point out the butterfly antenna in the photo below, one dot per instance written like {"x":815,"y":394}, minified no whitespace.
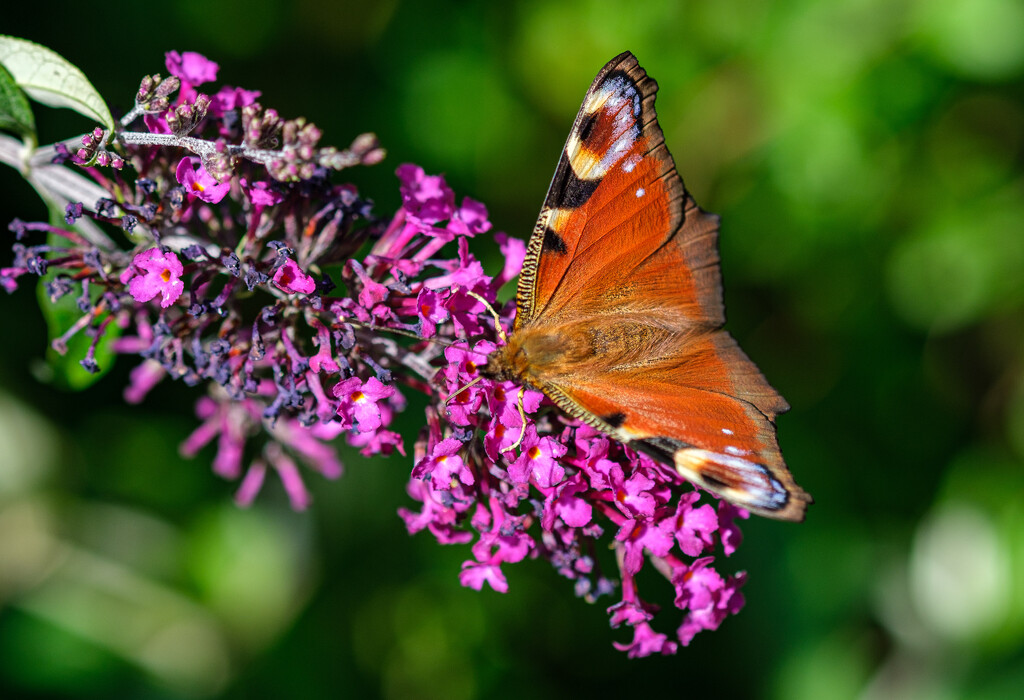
{"x":461,"y":389}
{"x":497,"y":320}
{"x":522,"y":416}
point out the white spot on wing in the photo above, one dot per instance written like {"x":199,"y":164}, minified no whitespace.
{"x":640,"y":192}
{"x":726,"y":431}
{"x":631,"y":163}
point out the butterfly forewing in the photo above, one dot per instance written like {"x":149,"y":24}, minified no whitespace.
{"x":620,"y":308}
{"x":614,"y":200}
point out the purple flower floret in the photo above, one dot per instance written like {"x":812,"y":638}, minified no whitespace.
{"x":154,"y":273}
{"x":198,"y":183}
{"x":294,"y":310}
{"x":290,"y":278}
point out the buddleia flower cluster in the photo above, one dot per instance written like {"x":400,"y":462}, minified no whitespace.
{"x":221,"y":254}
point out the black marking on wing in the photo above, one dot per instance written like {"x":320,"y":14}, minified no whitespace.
{"x":569,"y":191}
{"x":712,"y":482}
{"x":615,"y":419}
{"x":587,"y":123}
{"x":553,"y":242}
{"x":662,"y":449}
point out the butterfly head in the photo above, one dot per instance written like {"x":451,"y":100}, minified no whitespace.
{"x":504,"y":364}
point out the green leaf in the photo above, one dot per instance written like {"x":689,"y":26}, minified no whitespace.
{"x":48,"y":78}
{"x":65,"y":371}
{"x":15,"y":113}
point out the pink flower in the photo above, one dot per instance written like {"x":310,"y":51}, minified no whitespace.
{"x":260,"y":193}
{"x":198,"y":183}
{"x":513,"y":250}
{"x":707,"y":596}
{"x":191,"y":67}
{"x":154,"y":273}
{"x":692,"y":527}
{"x":443,"y":465}
{"x":426,"y":197}
{"x":639,"y":535}
{"x":290,"y":278}
{"x":538,"y":461}
{"x":438,"y":515}
{"x":229,"y":98}
{"x":358,"y":402}
{"x":646,"y":642}
{"x":728,"y":530}
{"x":470,"y":219}
{"x":474,"y":574}
{"x":502,"y":540}
{"x":563,"y":502}
{"x":323,"y":360}
{"x":430,"y":311}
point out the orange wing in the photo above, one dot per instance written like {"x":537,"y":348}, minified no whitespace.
{"x":705,"y":409}
{"x":615,"y":202}
{"x":620,"y":308}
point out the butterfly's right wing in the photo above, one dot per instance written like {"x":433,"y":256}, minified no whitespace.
{"x":706,"y":410}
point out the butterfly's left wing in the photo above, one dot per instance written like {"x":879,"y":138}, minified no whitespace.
{"x":617,"y":204}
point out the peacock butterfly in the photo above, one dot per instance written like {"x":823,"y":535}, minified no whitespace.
{"x":620,"y":312}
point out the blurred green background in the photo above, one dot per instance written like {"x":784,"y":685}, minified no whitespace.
{"x":866,"y":158}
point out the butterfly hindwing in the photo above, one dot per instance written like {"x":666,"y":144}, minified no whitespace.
{"x":704,"y":409}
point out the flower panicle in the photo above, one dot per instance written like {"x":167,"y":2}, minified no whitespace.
{"x":249,"y":273}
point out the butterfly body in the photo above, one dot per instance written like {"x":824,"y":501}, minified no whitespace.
{"x":620,"y":313}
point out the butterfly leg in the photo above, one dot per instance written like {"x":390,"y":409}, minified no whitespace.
{"x":522,"y":418}
{"x":497,"y":320}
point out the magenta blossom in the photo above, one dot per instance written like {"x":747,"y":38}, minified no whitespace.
{"x":443,"y":465}
{"x":359,"y":405}
{"x":290,"y":278}
{"x":191,"y":67}
{"x":198,"y":183}
{"x":153,"y":273}
{"x":427,"y":198}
